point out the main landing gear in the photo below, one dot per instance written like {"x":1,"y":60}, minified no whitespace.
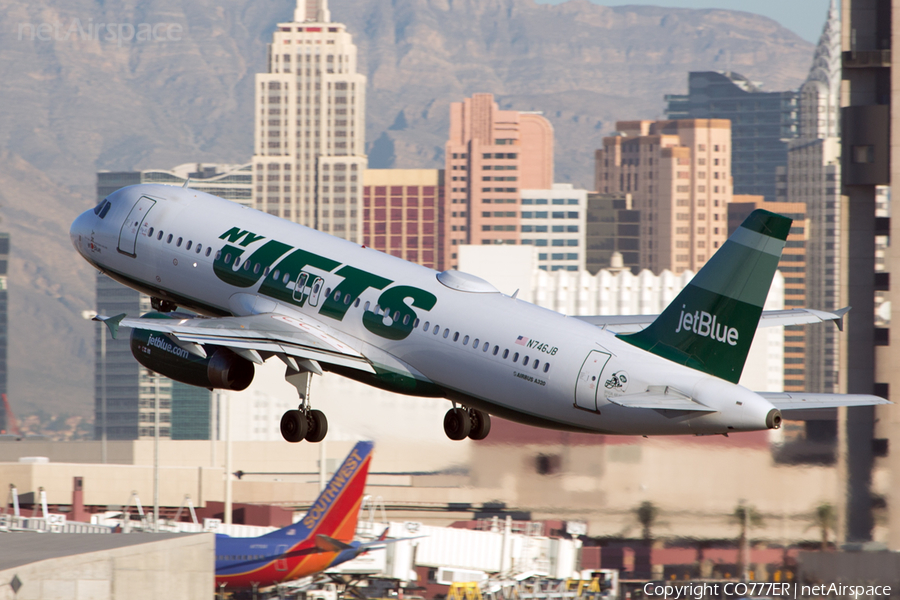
{"x":462,"y":423}
{"x":298,"y":425}
{"x":303,"y":423}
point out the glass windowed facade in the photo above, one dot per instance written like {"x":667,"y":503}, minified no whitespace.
{"x":761,"y":124}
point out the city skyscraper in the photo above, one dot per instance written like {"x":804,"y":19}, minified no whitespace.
{"x":679,"y":176}
{"x":491,"y":156}
{"x":309,"y":125}
{"x":612,"y":226}
{"x":402,"y":214}
{"x":231,"y":182}
{"x":761,"y":124}
{"x":553,"y":221}
{"x":812,"y":176}
{"x":869,"y":352}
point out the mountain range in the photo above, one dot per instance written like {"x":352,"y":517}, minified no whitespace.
{"x":74,"y":104}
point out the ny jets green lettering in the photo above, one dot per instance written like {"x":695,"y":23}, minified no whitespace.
{"x":402,"y":316}
{"x":288,"y":270}
{"x":248,"y":272}
{"x":236,"y":233}
{"x":288,"y":281}
{"x":355,"y":282}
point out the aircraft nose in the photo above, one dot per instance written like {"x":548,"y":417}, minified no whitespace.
{"x":81,"y":229}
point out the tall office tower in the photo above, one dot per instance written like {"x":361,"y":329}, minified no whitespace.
{"x":491,"y":155}
{"x":812,"y":176}
{"x":761,"y":122}
{"x":4,"y":327}
{"x":129,"y":391}
{"x":402,"y":214}
{"x":309,"y":123}
{"x":231,"y":182}
{"x":612,"y":227}
{"x":870,"y":157}
{"x":679,"y":176}
{"x":126,"y":392}
{"x":794,"y":265}
{"x":554,"y":221}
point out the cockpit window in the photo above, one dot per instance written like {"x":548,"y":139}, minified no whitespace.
{"x":102,"y":208}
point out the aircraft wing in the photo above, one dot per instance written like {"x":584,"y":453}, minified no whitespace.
{"x":248,"y":336}
{"x":770,"y":318}
{"x":802,"y":401}
{"x":664,"y":398}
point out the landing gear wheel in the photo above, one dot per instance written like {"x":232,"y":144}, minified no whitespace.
{"x":480,"y":424}
{"x":293,"y":426}
{"x":318,"y":426}
{"x":457,"y":424}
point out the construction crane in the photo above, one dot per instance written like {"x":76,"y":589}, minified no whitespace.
{"x":12,"y":425}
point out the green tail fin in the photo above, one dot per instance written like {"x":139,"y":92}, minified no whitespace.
{"x":710,"y":325}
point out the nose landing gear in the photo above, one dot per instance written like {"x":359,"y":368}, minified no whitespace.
{"x":460,"y":423}
{"x":303,"y":423}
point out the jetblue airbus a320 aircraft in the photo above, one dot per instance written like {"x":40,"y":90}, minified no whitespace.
{"x":267,"y":287}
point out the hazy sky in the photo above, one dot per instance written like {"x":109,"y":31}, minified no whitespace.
{"x":804,"y":17}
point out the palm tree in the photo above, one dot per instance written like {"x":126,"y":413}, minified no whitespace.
{"x":747,"y":517}
{"x":825,"y":518}
{"x":646,"y":514}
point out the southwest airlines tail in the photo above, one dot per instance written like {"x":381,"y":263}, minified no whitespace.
{"x":335,"y":512}
{"x":710,"y":325}
{"x":321,"y":538}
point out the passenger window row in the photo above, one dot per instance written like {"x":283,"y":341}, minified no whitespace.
{"x":190,"y":244}
{"x":484,"y":347}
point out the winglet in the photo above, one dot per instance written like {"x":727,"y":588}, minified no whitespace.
{"x":840,"y":317}
{"x":111,"y":322}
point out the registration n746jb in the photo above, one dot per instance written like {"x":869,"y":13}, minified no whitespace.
{"x":263,"y":287}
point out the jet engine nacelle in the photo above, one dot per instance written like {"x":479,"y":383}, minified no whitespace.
{"x":221,"y":369}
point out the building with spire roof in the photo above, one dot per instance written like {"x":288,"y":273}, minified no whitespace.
{"x":812,"y":176}
{"x":309,"y":125}
{"x":819,"y":115}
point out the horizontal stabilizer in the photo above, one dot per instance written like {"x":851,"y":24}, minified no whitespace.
{"x":329,"y":544}
{"x":803,"y":401}
{"x":382,"y":542}
{"x":660,"y":398}
{"x":770,"y":318}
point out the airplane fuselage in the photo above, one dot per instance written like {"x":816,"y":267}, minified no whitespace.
{"x":425,"y":333}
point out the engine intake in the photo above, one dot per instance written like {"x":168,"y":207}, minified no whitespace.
{"x":221,"y":369}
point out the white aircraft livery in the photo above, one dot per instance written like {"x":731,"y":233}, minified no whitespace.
{"x":263,"y":287}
